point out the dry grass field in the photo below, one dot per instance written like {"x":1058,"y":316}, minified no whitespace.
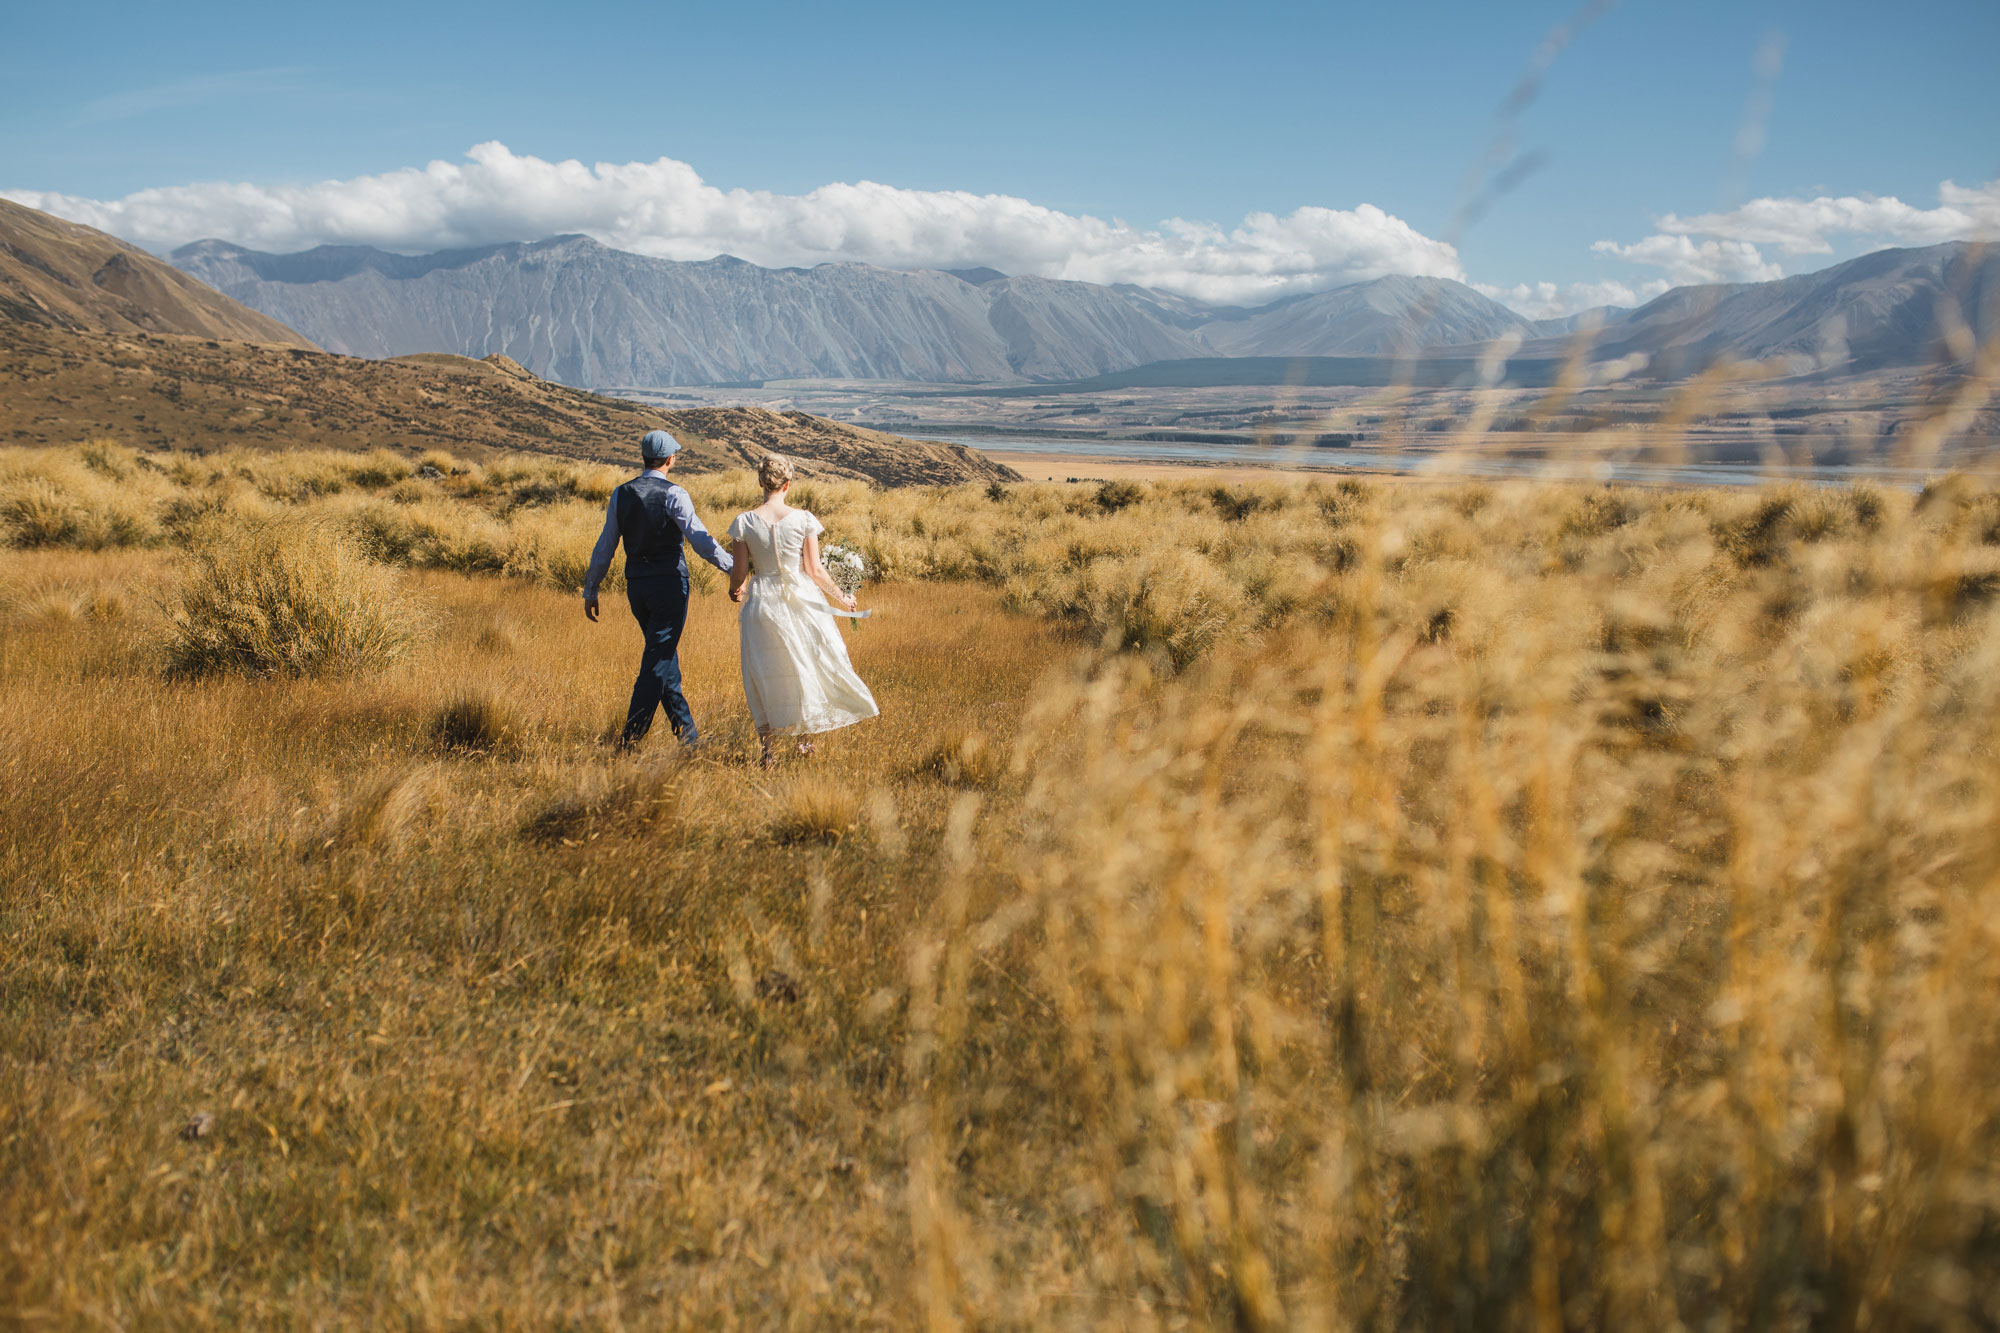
{"x":1357,"y":906}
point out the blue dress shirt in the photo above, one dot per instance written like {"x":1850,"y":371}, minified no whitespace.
{"x":681,"y":505}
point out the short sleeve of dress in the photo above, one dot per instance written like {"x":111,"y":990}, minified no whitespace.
{"x":735,"y":533}
{"x":813,"y":525}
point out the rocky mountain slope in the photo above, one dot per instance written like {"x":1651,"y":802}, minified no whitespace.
{"x":64,"y":276}
{"x":579,"y":312}
{"x":585,"y":314}
{"x":1383,"y":317}
{"x":1883,"y":310}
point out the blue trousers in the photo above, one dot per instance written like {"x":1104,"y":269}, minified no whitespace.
{"x":660,"y":605}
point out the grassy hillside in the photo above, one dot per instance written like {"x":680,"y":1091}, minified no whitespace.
{"x":1347,"y":906}
{"x":58,"y":274}
{"x":65,"y":387}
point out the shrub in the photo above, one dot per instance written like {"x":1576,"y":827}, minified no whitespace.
{"x":286,"y":599}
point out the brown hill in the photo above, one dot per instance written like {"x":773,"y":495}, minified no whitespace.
{"x":59,"y":385}
{"x":64,"y":276}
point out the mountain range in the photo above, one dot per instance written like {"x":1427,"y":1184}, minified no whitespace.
{"x":1888,"y":309}
{"x":101,"y":340}
{"x":579,"y":312}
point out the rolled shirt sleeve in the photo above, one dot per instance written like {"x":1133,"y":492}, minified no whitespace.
{"x":681,"y":505}
{"x":600,"y":555}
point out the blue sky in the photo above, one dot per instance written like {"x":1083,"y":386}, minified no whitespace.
{"x":1107,"y":112}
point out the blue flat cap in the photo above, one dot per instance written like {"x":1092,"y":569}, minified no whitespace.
{"x":658,"y":444}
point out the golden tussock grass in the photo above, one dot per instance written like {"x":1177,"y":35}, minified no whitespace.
{"x":811,"y":809}
{"x":1349,"y":906}
{"x":292,"y":598}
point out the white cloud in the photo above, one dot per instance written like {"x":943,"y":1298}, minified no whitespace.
{"x":1548,"y":300}
{"x":1808,"y":226}
{"x":1688,"y":261}
{"x":1723,"y":247}
{"x":664,"y":208}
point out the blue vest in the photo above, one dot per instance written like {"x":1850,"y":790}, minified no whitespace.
{"x":647,"y":528}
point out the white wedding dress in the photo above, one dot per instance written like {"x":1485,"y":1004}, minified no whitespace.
{"x":795,"y":668}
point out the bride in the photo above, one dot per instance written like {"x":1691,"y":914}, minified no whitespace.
{"x":795,"y":668}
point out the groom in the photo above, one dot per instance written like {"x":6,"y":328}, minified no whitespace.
{"x":652,"y":515}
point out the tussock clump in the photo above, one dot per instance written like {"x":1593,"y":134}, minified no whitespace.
{"x":431,"y":535}
{"x":1174,"y":603}
{"x":1597,"y":513}
{"x":110,"y":458}
{"x":498,"y":638}
{"x":295,"y":480}
{"x":1946,"y":494}
{"x":380,"y":468}
{"x":72,"y":506}
{"x":1758,"y":538}
{"x":1238,"y":503}
{"x":226,"y":500}
{"x":61,"y":601}
{"x":724,"y":493}
{"x":387,"y":813}
{"x":476,"y":723}
{"x":964,"y":759}
{"x":286,"y":599}
{"x":1113,"y":496}
{"x":810,"y":809}
{"x":552,"y":547}
{"x":626,"y":798}
{"x":829,"y":497}
{"x":442,"y":464}
{"x":1821,"y":516}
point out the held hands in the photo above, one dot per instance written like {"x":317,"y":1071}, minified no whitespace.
{"x":737,"y":593}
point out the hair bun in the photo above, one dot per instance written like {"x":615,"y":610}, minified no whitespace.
{"x":776,"y":472}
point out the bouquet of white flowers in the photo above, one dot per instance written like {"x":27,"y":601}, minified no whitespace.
{"x":849,"y":570}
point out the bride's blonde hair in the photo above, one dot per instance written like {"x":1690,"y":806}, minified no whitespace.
{"x":776,"y":472}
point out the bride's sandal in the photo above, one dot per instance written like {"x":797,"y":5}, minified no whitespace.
{"x":807,"y":747}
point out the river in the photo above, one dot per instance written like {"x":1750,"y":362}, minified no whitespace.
{"x":1448,"y":463}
